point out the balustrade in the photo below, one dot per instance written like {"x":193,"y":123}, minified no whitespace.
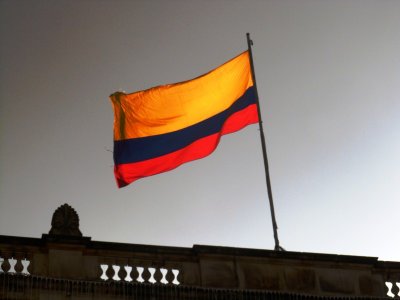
{"x":140,"y":274}
{"x":393,"y":289}
{"x":14,"y":266}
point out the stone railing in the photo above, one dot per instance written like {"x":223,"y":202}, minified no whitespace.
{"x":205,"y":267}
{"x":393,"y":289}
{"x":140,"y":274}
{"x":14,"y":266}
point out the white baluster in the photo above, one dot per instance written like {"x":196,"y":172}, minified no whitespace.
{"x":175,"y":281}
{"x":128,"y":270}
{"x":389,"y":286}
{"x":104,"y":269}
{"x":25,"y":265}
{"x":116,"y":270}
{"x":140,"y":271}
{"x":152,"y":271}
{"x":1,"y":262}
{"x":164,"y":273}
{"x":12,"y":262}
{"x":398,"y":285}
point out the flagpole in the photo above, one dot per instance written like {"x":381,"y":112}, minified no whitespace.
{"x":264,"y":149}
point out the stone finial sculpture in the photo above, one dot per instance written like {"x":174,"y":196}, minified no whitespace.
{"x":65,"y":222}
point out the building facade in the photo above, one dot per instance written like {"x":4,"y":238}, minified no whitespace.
{"x":66,"y":265}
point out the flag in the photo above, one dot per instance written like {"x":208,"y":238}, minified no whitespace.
{"x":158,"y":129}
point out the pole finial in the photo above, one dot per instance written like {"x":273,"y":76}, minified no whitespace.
{"x":249,"y":41}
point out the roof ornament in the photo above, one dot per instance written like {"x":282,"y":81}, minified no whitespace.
{"x":65,"y":222}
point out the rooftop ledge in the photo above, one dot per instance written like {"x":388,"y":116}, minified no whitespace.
{"x":49,"y":241}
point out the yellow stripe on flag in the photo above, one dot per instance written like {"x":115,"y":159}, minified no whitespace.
{"x":172,"y":107}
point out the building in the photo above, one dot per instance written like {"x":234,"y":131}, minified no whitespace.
{"x":66,"y":265}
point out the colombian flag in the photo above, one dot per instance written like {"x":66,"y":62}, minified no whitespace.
{"x":158,"y":129}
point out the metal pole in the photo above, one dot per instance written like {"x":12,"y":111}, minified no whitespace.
{"x":264,"y":149}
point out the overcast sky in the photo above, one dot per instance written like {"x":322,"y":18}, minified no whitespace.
{"x":328,"y":75}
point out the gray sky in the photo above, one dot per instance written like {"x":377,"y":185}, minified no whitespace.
{"x":328,"y":75}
